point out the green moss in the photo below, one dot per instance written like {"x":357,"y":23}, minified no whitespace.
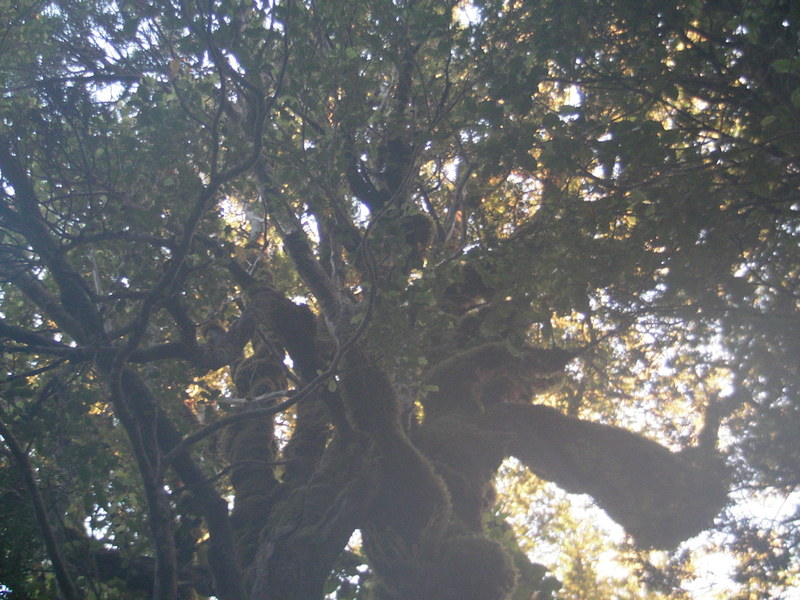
{"x":474,"y":567}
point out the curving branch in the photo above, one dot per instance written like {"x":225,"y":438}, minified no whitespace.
{"x":661,"y":498}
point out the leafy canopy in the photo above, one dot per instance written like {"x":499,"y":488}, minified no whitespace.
{"x":271,"y":273}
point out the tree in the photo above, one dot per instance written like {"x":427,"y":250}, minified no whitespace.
{"x":276,"y":272}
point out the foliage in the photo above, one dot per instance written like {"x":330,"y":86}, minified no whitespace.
{"x":274,"y":273}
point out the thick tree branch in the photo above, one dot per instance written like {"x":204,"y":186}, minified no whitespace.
{"x":49,"y":305}
{"x":140,"y":423}
{"x":75,"y":295}
{"x":491,"y":373}
{"x":31,"y":338}
{"x":298,"y":247}
{"x":65,"y":583}
{"x":659,"y":497}
{"x":297,"y":555}
{"x":222,"y":558}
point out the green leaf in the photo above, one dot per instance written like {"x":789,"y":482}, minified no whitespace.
{"x":672,"y":92}
{"x":796,"y":97}
{"x":784,"y":65}
{"x":551,"y":121}
{"x":636,"y":197}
